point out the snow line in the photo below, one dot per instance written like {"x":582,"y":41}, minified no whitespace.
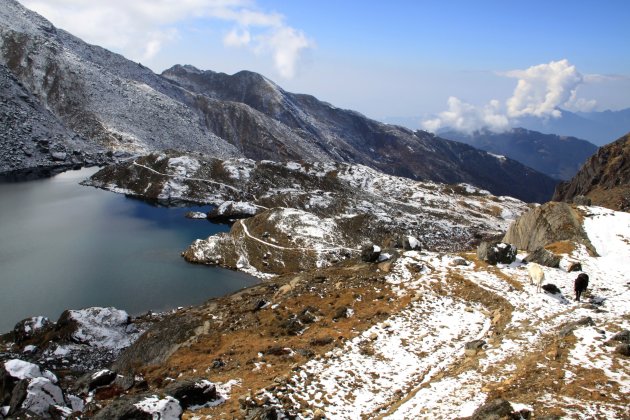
{"x":249,"y":235}
{"x":198,"y":179}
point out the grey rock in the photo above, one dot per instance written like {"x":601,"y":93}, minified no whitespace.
{"x":543,"y":257}
{"x":370,"y":253}
{"x":124,"y":408}
{"x":495,"y":253}
{"x":623,"y":349}
{"x":623,"y":336}
{"x":546,"y":224}
{"x":493,"y":410}
{"x":473,"y":347}
{"x":192,"y":392}
{"x":580,"y":200}
{"x":571,"y":326}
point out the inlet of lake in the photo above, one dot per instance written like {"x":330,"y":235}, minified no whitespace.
{"x":67,"y":246}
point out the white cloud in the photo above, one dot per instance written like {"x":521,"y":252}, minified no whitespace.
{"x":286,"y":45}
{"x":236,"y":38}
{"x":540,"y":91}
{"x":465,"y":117}
{"x":139,"y":28}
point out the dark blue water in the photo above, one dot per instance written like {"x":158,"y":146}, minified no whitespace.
{"x":66,"y":246}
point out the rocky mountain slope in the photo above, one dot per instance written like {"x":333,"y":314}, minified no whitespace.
{"x":33,"y":139}
{"x":313,"y":215}
{"x":122,"y":106}
{"x":604,"y":178}
{"x":347,"y":136}
{"x":101,"y":96}
{"x":421,"y":334}
{"x":559,"y":157}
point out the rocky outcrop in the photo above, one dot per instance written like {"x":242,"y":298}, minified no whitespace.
{"x":32,"y":139}
{"x":604,"y":179}
{"x":546,"y":224}
{"x":496,"y":253}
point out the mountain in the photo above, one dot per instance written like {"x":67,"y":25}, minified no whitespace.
{"x":596,"y":127}
{"x":559,"y":157}
{"x":604,"y":178}
{"x":121,"y":106}
{"x":32,"y":138}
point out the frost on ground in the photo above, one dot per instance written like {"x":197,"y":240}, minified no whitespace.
{"x":318,"y":207}
{"x":539,"y":351}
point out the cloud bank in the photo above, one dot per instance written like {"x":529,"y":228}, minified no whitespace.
{"x":140,"y":28}
{"x":539,"y":92}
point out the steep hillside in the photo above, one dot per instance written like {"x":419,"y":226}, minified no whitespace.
{"x":103,"y":97}
{"x":559,"y":157}
{"x":32,"y":139}
{"x":348,"y":136}
{"x":122,"y":106}
{"x":604,"y":178}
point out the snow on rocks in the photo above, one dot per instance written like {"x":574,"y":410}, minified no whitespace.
{"x":100,"y":327}
{"x":20,"y":369}
{"x":167,"y":408}
{"x":41,"y":394}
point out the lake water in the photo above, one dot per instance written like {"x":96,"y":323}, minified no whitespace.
{"x":66,"y":246}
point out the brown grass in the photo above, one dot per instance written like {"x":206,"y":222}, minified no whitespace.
{"x":561,"y":247}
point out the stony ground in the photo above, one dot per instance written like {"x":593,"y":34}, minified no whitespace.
{"x":361,"y":340}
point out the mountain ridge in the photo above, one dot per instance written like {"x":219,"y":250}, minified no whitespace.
{"x":559,"y":157}
{"x":122,"y":106}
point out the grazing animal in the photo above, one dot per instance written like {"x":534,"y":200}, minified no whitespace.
{"x":536,"y":275}
{"x":580,"y":285}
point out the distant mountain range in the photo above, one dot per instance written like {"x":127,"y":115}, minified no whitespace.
{"x":112,"y":104}
{"x":559,"y":157}
{"x":596,"y":127}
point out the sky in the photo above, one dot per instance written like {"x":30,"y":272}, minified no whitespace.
{"x":464,"y":64}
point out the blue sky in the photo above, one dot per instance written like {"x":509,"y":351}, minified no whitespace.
{"x":398,"y":58}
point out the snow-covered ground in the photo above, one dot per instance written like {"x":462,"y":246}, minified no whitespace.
{"x":394,"y":368}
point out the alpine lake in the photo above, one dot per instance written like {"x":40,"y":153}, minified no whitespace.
{"x":68,"y":246}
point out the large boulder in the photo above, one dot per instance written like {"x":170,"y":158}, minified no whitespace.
{"x":494,"y":410}
{"x":543,"y":257}
{"x":192,"y":392}
{"x":546,"y":224}
{"x":496,"y":253}
{"x":27,"y":328}
{"x":370,"y":253}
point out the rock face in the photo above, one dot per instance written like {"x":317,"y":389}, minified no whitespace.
{"x":546,"y":224}
{"x":604,"y":179}
{"x":32,"y":139}
{"x":559,"y":157}
{"x":119,"y":105}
